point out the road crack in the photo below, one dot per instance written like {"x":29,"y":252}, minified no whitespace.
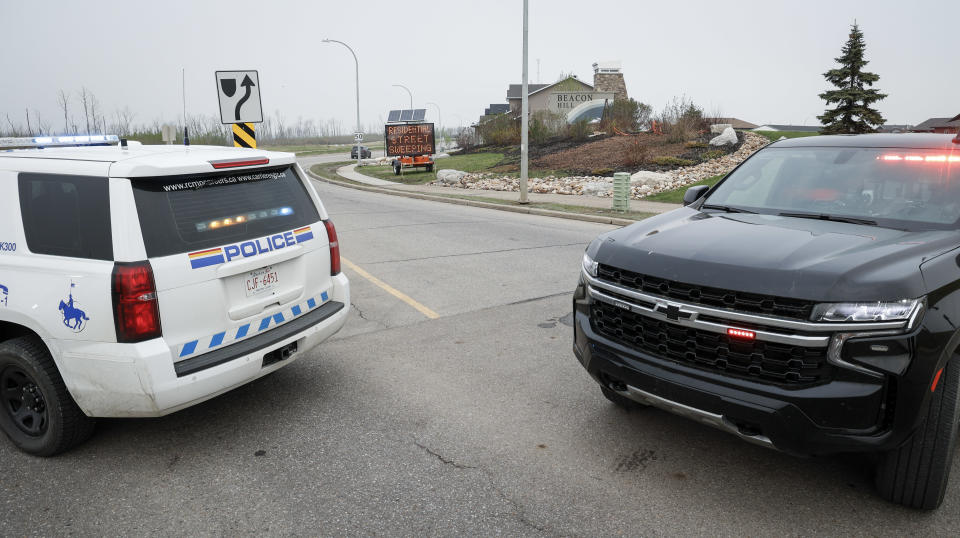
{"x":445,"y":461}
{"x":518,"y":509}
{"x":364,"y":317}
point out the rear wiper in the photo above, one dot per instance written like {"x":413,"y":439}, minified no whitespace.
{"x":728,"y":209}
{"x":834,"y":218}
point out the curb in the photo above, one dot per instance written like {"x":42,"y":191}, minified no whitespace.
{"x":472,"y":203}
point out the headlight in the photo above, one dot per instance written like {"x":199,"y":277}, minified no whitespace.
{"x":589,"y":265}
{"x":853,"y":312}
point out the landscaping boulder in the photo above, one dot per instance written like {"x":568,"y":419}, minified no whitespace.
{"x":651,"y":179}
{"x":450,"y":177}
{"x":718,"y":128}
{"x":598,"y":188}
{"x":728,"y":136}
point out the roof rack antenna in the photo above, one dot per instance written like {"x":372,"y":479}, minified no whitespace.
{"x":183,"y":94}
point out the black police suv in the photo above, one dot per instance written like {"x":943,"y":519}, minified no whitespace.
{"x":808,"y":302}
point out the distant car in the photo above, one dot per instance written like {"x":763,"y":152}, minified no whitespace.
{"x":807,"y":302}
{"x":364,"y":152}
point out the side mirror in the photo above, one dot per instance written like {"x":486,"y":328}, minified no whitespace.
{"x":694,"y":193}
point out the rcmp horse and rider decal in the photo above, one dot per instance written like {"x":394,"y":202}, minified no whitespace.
{"x":73,"y":317}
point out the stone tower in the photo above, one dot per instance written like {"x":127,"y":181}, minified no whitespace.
{"x":608,"y":78}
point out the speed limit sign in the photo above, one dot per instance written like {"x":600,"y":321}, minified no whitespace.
{"x":358,"y":137}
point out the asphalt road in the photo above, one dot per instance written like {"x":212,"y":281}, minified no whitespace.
{"x":474,"y":420}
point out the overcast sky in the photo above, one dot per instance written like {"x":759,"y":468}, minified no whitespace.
{"x":761,"y":61}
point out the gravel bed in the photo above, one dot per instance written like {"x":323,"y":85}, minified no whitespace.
{"x":603,"y":186}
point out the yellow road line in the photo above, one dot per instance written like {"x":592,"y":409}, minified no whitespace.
{"x":389,"y":289}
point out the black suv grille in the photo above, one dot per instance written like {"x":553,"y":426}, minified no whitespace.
{"x":768,"y":361}
{"x":734,"y":300}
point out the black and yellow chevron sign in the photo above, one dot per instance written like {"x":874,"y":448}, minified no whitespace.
{"x":244,"y":135}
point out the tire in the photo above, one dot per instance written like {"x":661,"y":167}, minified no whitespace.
{"x":36,"y":411}
{"x":916,"y":474}
{"x":620,"y":400}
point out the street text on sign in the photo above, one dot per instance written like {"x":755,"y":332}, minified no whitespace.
{"x":409,"y":139}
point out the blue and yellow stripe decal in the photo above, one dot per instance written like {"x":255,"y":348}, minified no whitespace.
{"x":247,"y":330}
{"x":203,"y":258}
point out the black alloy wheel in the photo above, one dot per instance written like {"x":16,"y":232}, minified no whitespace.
{"x":23,"y":401}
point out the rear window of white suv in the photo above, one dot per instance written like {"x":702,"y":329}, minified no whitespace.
{"x":185,"y":213}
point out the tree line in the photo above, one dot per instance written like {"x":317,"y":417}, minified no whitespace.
{"x":81,"y":112}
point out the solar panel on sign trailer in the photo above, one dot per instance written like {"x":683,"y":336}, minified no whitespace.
{"x":405,"y":115}
{"x":394,"y":116}
{"x":419,"y":114}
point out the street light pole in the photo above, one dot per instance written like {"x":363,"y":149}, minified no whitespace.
{"x":408,"y":91}
{"x":357,"y":73}
{"x":439,"y":120}
{"x":524,"y":114}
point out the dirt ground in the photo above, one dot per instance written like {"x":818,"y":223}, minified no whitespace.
{"x":607,"y":155}
{"x":617,"y":153}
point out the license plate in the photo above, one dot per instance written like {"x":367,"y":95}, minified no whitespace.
{"x":261,"y":282}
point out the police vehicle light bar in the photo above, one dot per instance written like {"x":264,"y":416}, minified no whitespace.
{"x":59,"y":141}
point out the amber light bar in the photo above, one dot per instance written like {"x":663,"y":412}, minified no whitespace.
{"x":243,"y":162}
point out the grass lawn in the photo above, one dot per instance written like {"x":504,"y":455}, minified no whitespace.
{"x":319,"y":149}
{"x":474,"y":162}
{"x":567,"y":208}
{"x":775,"y":135}
{"x":329,"y":171}
{"x":675,"y":196}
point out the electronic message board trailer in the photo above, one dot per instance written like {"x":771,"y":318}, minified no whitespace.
{"x":412,"y":144}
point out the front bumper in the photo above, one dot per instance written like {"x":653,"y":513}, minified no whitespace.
{"x":142,"y":380}
{"x":849,"y":410}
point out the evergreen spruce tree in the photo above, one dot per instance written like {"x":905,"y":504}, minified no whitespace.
{"x":853,"y":113}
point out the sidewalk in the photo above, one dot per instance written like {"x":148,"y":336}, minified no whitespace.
{"x":350,"y":173}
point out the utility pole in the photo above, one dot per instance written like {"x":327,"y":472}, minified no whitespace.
{"x":439,"y":121}
{"x":408,"y":91}
{"x":524,"y":113}
{"x":357,"y":74}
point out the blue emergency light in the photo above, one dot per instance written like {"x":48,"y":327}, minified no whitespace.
{"x":59,"y":141}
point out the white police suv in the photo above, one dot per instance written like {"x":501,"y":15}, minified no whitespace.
{"x":139,"y":280}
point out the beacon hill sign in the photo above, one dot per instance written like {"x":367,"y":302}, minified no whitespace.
{"x":564,"y":102}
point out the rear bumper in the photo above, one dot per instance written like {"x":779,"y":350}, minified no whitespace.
{"x":141,"y":380}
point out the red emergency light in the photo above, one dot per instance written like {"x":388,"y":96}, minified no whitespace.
{"x":741,"y":333}
{"x":921,"y":158}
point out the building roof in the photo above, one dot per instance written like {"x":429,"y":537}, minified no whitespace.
{"x":891,"y":127}
{"x":736,"y":122}
{"x":874,"y":140}
{"x":497,"y":108}
{"x":795,"y":128}
{"x":933,"y":123}
{"x":514,"y":91}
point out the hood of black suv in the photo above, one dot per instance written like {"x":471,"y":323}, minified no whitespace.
{"x":773,"y":255}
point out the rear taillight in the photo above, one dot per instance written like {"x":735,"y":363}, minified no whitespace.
{"x":136,"y":312}
{"x":334,"y":247}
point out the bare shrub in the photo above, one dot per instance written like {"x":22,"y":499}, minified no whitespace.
{"x":636,"y":154}
{"x":681,"y":119}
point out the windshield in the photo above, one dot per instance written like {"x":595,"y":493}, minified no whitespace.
{"x":909,"y":189}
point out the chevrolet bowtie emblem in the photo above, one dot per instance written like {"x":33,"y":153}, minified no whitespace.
{"x":671,"y":311}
